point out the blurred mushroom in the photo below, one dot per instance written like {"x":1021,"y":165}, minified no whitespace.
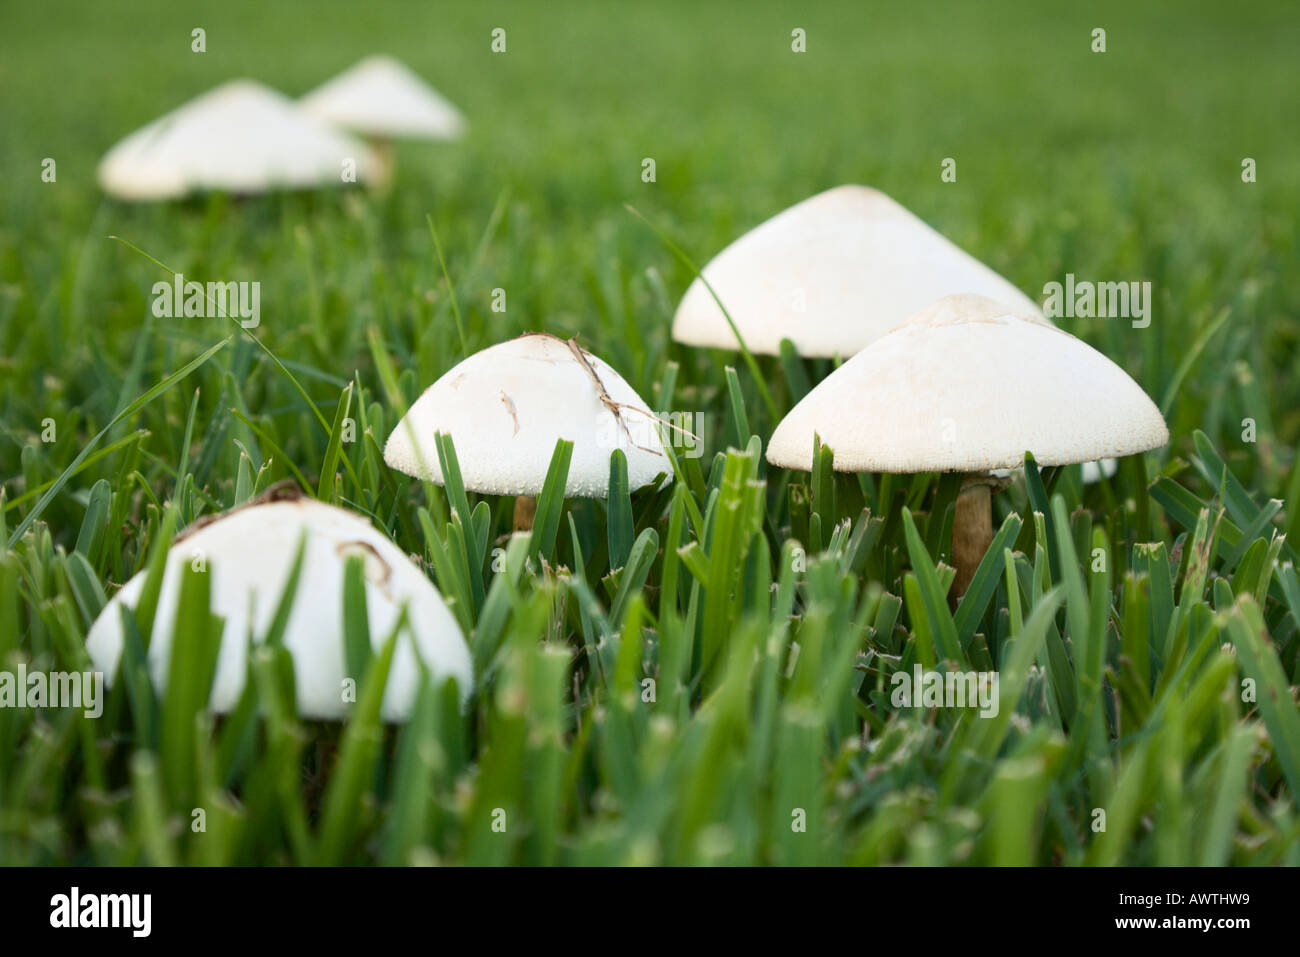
{"x":505,"y":408}
{"x":241,"y":137}
{"x":969,"y":385}
{"x":382,"y":99}
{"x":1094,"y":472}
{"x":1090,"y":473}
{"x":249,"y":551}
{"x":832,"y":274}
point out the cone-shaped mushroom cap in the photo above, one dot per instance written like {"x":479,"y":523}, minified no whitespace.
{"x":506,"y":407}
{"x":249,"y":553}
{"x":969,"y":385}
{"x":242,"y":137}
{"x":381,"y":97}
{"x":831,"y":274}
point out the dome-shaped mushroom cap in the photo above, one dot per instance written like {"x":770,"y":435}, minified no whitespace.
{"x":969,"y":385}
{"x":832,"y":274}
{"x":506,"y":407}
{"x":249,"y":553}
{"x":241,"y":137}
{"x":382,"y":97}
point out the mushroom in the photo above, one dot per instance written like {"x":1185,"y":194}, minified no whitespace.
{"x":241,"y":137}
{"x":383,"y":99}
{"x":505,"y":408}
{"x":832,"y":274}
{"x":969,"y":385}
{"x":249,"y":552}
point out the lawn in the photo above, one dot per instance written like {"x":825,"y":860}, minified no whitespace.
{"x":1148,"y":712}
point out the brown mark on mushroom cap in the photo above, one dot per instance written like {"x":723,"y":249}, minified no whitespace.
{"x":377,"y":571}
{"x":286,"y":490}
{"x":509,"y":403}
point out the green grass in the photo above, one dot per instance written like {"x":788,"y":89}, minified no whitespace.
{"x":769,"y":626}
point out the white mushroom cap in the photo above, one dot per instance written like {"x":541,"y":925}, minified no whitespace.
{"x":832,"y":274}
{"x":249,"y":553}
{"x":242,"y":137}
{"x":506,"y":407}
{"x":969,"y":385}
{"x":382,"y":97}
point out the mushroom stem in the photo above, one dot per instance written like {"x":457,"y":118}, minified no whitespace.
{"x":382,"y":149}
{"x":525,"y":511}
{"x":972,"y":530}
